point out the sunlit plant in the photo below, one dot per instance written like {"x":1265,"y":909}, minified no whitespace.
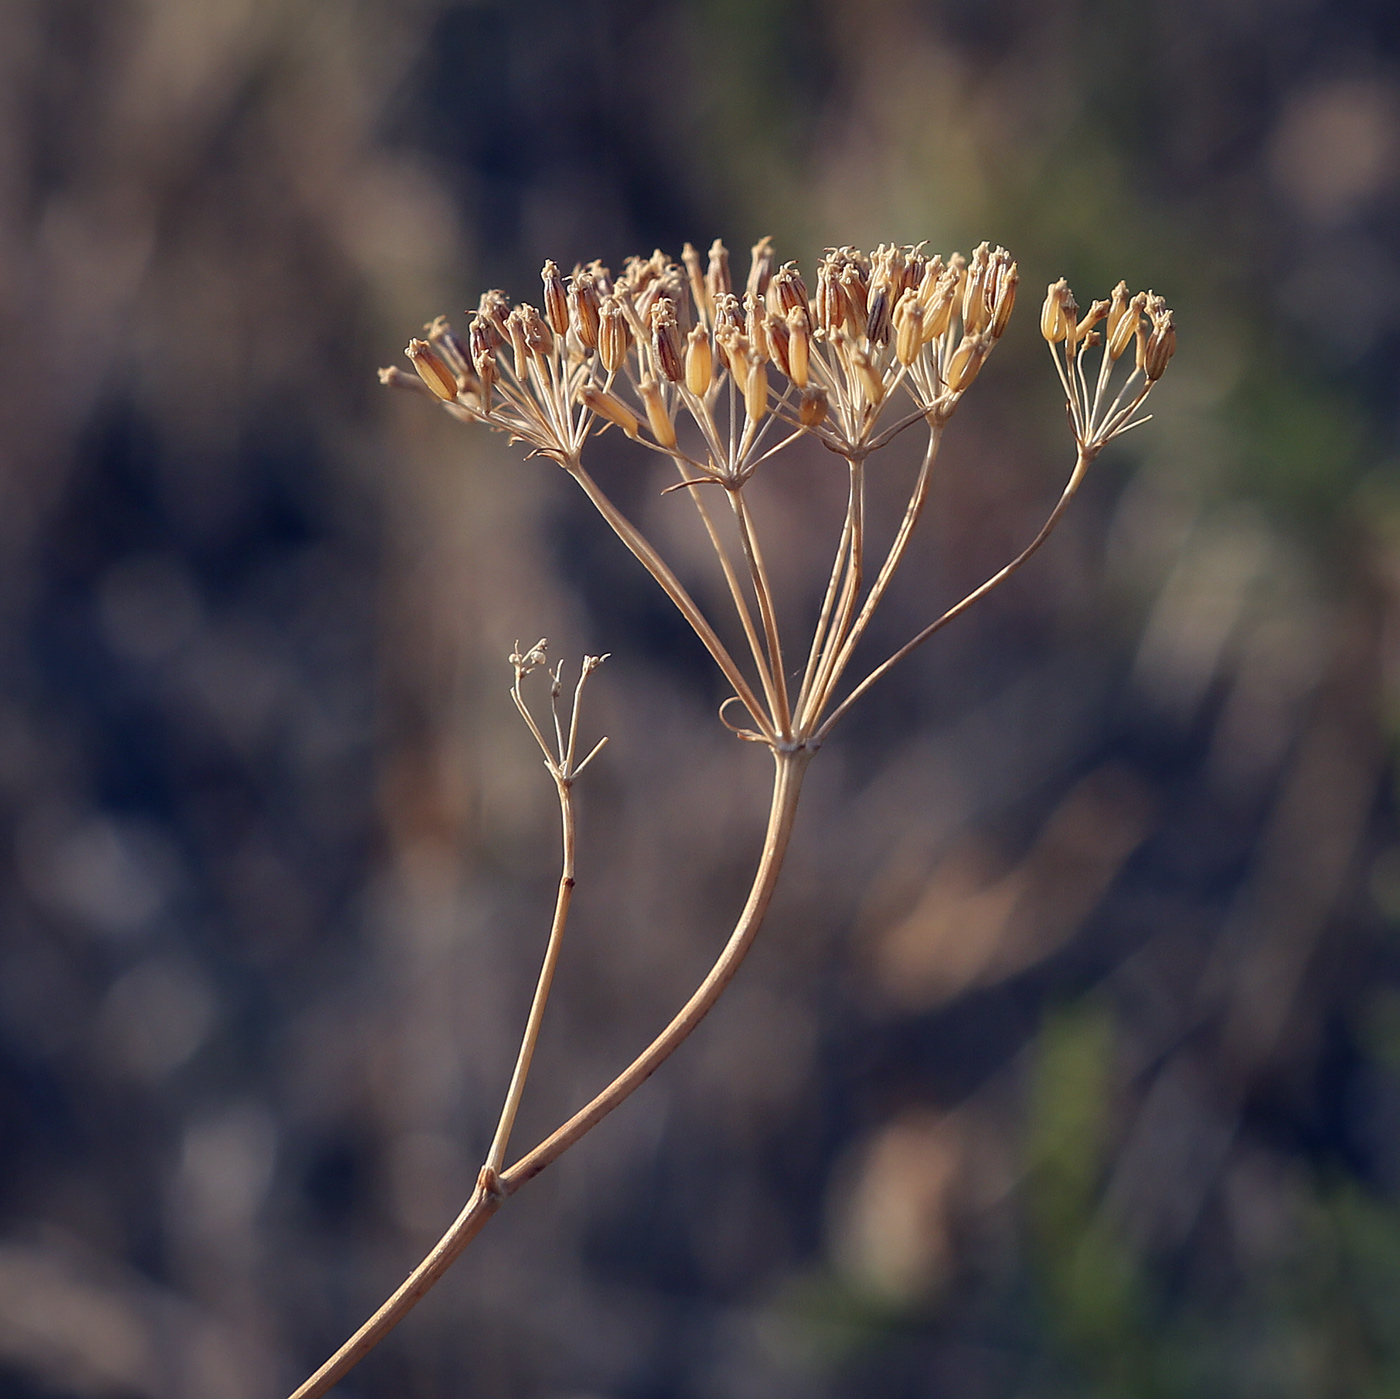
{"x":718,"y":384}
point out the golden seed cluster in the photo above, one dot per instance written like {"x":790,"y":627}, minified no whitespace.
{"x":1142,"y":321}
{"x":665,"y":340}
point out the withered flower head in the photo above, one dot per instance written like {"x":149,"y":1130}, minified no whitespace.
{"x":431,"y":370}
{"x":760,"y":267}
{"x":583,"y":304}
{"x":556,"y":301}
{"x":666,"y":339}
{"x":787,"y":292}
{"x":1054,"y":323}
{"x":614,"y":337}
{"x":494,"y":308}
{"x":1161,"y":346}
{"x":717,"y":282}
{"x":699,"y":365}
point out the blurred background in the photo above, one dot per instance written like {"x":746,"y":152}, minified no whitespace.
{"x":1069,"y":1063}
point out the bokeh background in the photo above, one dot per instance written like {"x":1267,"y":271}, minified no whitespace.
{"x":1070,"y":1061}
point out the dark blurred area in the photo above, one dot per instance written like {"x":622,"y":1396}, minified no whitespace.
{"x":1069,"y":1062}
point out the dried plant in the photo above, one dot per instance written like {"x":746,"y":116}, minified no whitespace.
{"x":674,"y":358}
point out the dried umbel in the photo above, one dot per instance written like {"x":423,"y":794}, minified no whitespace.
{"x":718,"y":384}
{"x":1142,"y":321}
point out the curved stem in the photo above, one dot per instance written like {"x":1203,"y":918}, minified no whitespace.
{"x":1081,"y":465}
{"x":790,"y":766}
{"x":641,"y":547}
{"x":492,"y":1189}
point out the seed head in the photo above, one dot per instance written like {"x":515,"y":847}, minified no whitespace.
{"x":608,"y":405}
{"x":877,"y":319}
{"x":975,"y":314}
{"x":666,"y":340}
{"x":729,"y":322}
{"x":908,"y":328}
{"x":583,"y":308}
{"x":432,"y":371}
{"x":787,"y":292}
{"x":938,"y":312}
{"x":494,"y":308}
{"x":857,"y":290}
{"x":539,"y":339}
{"x":556,"y":300}
{"x":1161,"y":346}
{"x":1121,"y":331}
{"x":1054,"y":323}
{"x":662,"y":428}
{"x":799,"y":346}
{"x":756,"y":391}
{"x":760,"y":266}
{"x":756,"y":324}
{"x":613,"y":335}
{"x":776,"y":329}
{"x":966,"y":362}
{"x":717,"y":282}
{"x":696,"y":277}
{"x":515,"y":333}
{"x":699,"y":365}
{"x":1007,"y":282}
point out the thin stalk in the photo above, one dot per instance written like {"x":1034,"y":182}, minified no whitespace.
{"x":912,"y":512}
{"x":850,"y":597}
{"x":492,"y":1190}
{"x":736,"y":590}
{"x":763,"y":590}
{"x":641,"y":547}
{"x":790,"y":767}
{"x":495,"y":1157}
{"x":996,"y":580}
{"x":838,"y":566}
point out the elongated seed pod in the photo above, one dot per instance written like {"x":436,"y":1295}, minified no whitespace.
{"x":799,"y":347}
{"x":610,"y":406}
{"x":699,"y":364}
{"x":662,"y":428}
{"x":431,"y":370}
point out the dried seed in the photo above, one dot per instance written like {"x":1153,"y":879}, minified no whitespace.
{"x":431,"y":370}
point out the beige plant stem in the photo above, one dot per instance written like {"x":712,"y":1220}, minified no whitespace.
{"x":736,"y":590}
{"x":995,"y":581}
{"x":790,"y":765}
{"x":495,"y":1157}
{"x":763,"y":590}
{"x":641,"y":547}
{"x":494,"y":1188}
{"x":838,"y":567}
{"x":846,"y":644}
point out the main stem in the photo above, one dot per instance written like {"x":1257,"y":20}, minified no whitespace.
{"x":493,"y":1187}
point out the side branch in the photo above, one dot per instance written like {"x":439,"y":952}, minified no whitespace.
{"x":787,"y":786}
{"x":494,"y":1187}
{"x":996,"y":580}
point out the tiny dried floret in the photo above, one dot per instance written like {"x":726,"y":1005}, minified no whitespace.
{"x":432,"y":371}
